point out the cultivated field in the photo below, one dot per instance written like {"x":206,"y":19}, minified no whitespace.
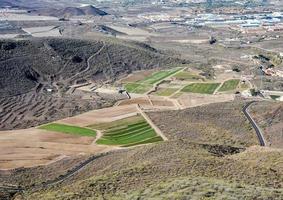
{"x":188,"y":76}
{"x":55,"y":141}
{"x":165,"y":91}
{"x":144,"y":85}
{"x":158,"y":76}
{"x":127,"y":132}
{"x":137,"y":88}
{"x":102,"y":115}
{"x":33,"y":147}
{"x":75,"y":130}
{"x":202,"y":88}
{"x":187,"y":100}
{"x":137,"y":76}
{"x":229,"y":85}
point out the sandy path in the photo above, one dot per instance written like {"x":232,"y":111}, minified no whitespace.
{"x":157,"y":130}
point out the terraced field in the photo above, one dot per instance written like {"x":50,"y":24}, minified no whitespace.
{"x":158,"y":76}
{"x":147,"y":83}
{"x":229,"y":85}
{"x":62,"y":128}
{"x":184,"y":75}
{"x":166,"y":91}
{"x":32,"y":109}
{"x":137,"y":88}
{"x":127,"y":132}
{"x":202,"y":88}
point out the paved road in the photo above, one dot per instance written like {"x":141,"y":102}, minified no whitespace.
{"x":59,"y":179}
{"x":258,"y":131}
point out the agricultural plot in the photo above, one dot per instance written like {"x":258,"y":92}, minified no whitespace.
{"x":229,"y":85}
{"x":137,"y":88}
{"x":166,"y":91}
{"x":202,"y":88}
{"x":274,"y":97}
{"x":75,"y":130}
{"x":144,"y":85}
{"x":158,"y":76}
{"x":184,"y":75}
{"x":127,"y":132}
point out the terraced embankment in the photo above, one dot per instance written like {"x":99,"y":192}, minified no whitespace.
{"x":127,"y":132}
{"x":36,"y":76}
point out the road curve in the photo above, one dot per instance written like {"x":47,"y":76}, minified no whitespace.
{"x":258,"y":131}
{"x":59,"y":179}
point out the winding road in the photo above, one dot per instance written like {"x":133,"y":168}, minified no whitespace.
{"x":258,"y":131}
{"x":57,"y":180}
{"x":80,"y":166}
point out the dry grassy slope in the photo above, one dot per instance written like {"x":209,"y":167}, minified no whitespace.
{"x":174,"y":169}
{"x":29,"y":67}
{"x":269,"y":116}
{"x":26,"y":63}
{"x":220,"y":123}
{"x":177,"y":168}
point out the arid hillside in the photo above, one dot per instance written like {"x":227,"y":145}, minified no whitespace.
{"x":37,"y":75}
{"x":192,"y":163}
{"x":269,"y":115}
{"x":31,"y":64}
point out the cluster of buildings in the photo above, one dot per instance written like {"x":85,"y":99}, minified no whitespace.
{"x":265,"y":21}
{"x":273,"y":72}
{"x":260,"y":22}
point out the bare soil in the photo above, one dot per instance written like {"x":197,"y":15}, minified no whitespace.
{"x":33,"y":147}
{"x":191,"y":100}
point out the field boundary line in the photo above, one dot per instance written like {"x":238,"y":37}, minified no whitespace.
{"x":157,"y":130}
{"x":218,"y":88}
{"x":155,"y":85}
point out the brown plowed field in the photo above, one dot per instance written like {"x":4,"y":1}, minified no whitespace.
{"x":32,"y":147}
{"x":102,"y":115}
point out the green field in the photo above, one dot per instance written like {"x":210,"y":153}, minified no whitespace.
{"x":229,"y":85}
{"x":75,"y":130}
{"x":143,"y":86}
{"x":202,"y":88}
{"x":118,"y":123}
{"x":188,"y":76}
{"x":127,"y":132}
{"x":158,"y":76}
{"x":274,"y":97}
{"x":166,"y":91}
{"x":137,"y":88}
